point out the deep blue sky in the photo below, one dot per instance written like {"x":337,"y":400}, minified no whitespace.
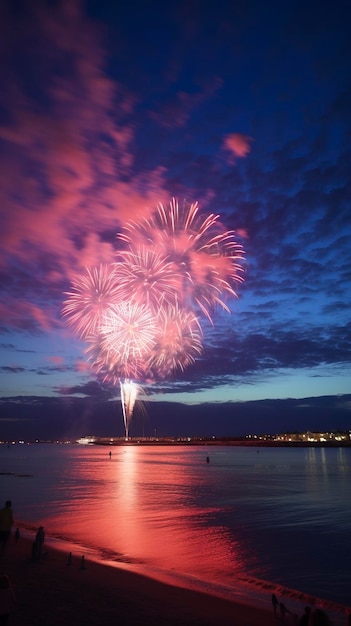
{"x":107,"y":109}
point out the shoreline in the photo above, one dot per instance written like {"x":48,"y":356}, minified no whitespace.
{"x":111,"y":441}
{"x":86,"y":590}
{"x":53,"y":591}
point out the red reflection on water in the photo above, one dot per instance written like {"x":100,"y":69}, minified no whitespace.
{"x":143,"y":504}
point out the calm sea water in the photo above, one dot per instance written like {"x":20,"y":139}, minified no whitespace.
{"x":268,"y":514}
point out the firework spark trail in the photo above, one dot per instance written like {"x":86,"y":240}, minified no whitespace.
{"x":128,"y":330}
{"x":125,"y":339}
{"x":207,"y":257}
{"x":92,"y":293}
{"x":145,"y":276}
{"x":109,"y":367}
{"x":178,"y":342}
{"x":140,"y":314}
{"x":129,"y":392}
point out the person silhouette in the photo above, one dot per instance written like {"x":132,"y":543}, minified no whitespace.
{"x":283,"y":610}
{"x":275,"y":604}
{"x":6,"y":521}
{"x":305,"y":617}
{"x":38,"y":544}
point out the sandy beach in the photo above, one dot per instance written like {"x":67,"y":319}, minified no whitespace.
{"x":57,"y":590}
{"x":62,"y":588}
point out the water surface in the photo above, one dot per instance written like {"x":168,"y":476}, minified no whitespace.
{"x":275,"y":514}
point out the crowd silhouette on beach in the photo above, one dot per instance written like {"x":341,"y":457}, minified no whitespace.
{"x":7,"y":593}
{"x":310,"y":617}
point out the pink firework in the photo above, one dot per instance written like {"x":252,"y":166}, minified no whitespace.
{"x":128,"y":330}
{"x":139,"y":315}
{"x":146,"y":276}
{"x":109,"y":367}
{"x":92,"y":293}
{"x":125,"y":339}
{"x":178,"y":342}
{"x":207,"y":257}
{"x":121,"y":350}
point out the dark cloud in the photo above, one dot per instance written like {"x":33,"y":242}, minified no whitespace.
{"x":90,"y":389}
{"x":12,"y":370}
{"x":57,"y":418}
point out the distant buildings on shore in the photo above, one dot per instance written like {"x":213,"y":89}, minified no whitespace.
{"x":309,"y":438}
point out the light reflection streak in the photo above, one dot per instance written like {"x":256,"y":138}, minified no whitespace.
{"x":149,"y":513}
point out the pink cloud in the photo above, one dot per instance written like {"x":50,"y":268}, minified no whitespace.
{"x":56,"y":360}
{"x":239,"y":145}
{"x":25,"y":315}
{"x":63,"y":180}
{"x":242,"y":232}
{"x":82,"y":366}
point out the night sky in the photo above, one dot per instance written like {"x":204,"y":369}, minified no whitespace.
{"x":107,"y":109}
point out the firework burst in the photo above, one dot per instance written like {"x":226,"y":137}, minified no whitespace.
{"x":140,"y":315}
{"x":128,"y":331}
{"x":92,"y":293}
{"x":207,"y":257}
{"x":146,"y":276}
{"x":178,"y":342}
{"x":125,"y":339}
